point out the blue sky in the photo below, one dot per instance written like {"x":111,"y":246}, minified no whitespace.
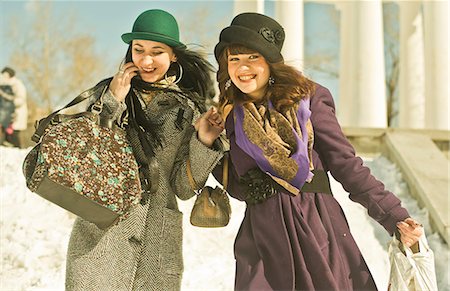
{"x":106,"y":21}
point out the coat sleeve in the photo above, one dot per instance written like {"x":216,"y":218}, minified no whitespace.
{"x":20,"y":94}
{"x":112,"y":109}
{"x":336,"y":152}
{"x":202,"y":160}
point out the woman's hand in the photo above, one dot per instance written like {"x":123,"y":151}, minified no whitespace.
{"x":209,"y":126}
{"x":121,"y":83}
{"x":410,"y":231}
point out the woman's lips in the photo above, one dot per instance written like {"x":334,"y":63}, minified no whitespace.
{"x":246,"y":77}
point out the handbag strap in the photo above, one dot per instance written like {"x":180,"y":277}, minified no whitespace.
{"x":54,"y":117}
{"x":225,"y":171}
{"x":192,"y":182}
{"x":194,"y":185}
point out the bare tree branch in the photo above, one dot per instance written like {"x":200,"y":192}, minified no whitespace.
{"x":54,"y":60}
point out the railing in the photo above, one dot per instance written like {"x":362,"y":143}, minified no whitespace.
{"x":423,"y":158}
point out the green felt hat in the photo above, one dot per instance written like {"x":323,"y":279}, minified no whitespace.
{"x":156,"y":25}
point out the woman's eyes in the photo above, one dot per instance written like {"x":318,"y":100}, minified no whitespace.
{"x":251,"y":57}
{"x":154,"y":53}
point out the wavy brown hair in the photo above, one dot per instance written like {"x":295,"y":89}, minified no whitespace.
{"x":289,"y":88}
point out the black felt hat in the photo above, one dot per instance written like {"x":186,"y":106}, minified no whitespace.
{"x":255,"y":31}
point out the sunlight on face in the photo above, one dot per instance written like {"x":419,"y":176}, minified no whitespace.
{"x":250,"y":73}
{"x":152,"y":58}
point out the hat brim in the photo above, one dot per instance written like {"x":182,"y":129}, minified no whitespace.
{"x":248,"y":38}
{"x":128,"y":37}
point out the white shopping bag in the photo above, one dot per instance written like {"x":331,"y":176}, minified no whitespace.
{"x":411,"y":272}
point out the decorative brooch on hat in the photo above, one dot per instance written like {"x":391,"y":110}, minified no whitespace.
{"x":270,"y":35}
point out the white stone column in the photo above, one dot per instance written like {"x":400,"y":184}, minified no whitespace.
{"x":346,"y":107}
{"x":241,"y":6}
{"x":362,"y":95}
{"x":290,"y":15}
{"x":411,"y":66}
{"x":436,"y":36}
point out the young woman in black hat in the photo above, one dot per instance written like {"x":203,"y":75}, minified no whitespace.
{"x":284,"y":139}
{"x":158,"y":96}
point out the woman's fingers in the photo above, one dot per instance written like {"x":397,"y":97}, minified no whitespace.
{"x":126,"y":73}
{"x":410,"y":231}
{"x":126,"y":66}
{"x":208,"y":113}
{"x":210,"y":121}
{"x":121,"y":82}
{"x":202,"y":119}
{"x":412,"y":222}
{"x":215,"y":118}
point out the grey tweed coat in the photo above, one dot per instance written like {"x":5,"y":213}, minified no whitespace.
{"x":144,"y":252}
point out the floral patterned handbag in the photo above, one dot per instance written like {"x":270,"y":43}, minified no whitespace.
{"x":84,"y":167}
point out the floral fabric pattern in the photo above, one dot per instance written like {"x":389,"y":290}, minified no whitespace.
{"x":97,"y":162}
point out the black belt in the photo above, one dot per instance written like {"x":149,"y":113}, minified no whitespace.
{"x":319,"y":184}
{"x":259,"y":186}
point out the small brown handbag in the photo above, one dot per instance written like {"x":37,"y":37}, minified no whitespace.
{"x":212,"y":206}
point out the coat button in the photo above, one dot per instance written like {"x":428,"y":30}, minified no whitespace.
{"x":344,"y":235}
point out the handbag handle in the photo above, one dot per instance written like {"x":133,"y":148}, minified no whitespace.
{"x":194,"y":185}
{"x":42,"y":124}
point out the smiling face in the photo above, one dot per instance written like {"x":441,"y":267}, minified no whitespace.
{"x":250,"y":73}
{"x":152,"y":58}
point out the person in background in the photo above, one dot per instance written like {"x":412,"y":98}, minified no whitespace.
{"x":13,"y":108}
{"x":284,"y":140}
{"x":158,"y":96}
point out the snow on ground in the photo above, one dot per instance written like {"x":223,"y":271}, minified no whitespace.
{"x":34,"y":235}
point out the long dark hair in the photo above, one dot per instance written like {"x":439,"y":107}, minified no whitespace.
{"x":197,"y":77}
{"x":290,"y":84}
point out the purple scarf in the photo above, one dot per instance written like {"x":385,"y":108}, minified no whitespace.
{"x":280,"y":145}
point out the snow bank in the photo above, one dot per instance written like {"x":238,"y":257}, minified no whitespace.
{"x":35,"y":233}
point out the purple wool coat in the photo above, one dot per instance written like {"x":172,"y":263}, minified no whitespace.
{"x":303,"y":242}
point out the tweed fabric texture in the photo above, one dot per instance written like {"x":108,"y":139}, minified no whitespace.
{"x":144,"y":252}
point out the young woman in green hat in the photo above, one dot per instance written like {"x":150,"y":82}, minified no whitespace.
{"x":158,"y":96}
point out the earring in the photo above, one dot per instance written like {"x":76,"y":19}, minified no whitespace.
{"x":181,"y":73}
{"x":180,"y":69}
{"x":271,"y":81}
{"x":227,"y":84}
